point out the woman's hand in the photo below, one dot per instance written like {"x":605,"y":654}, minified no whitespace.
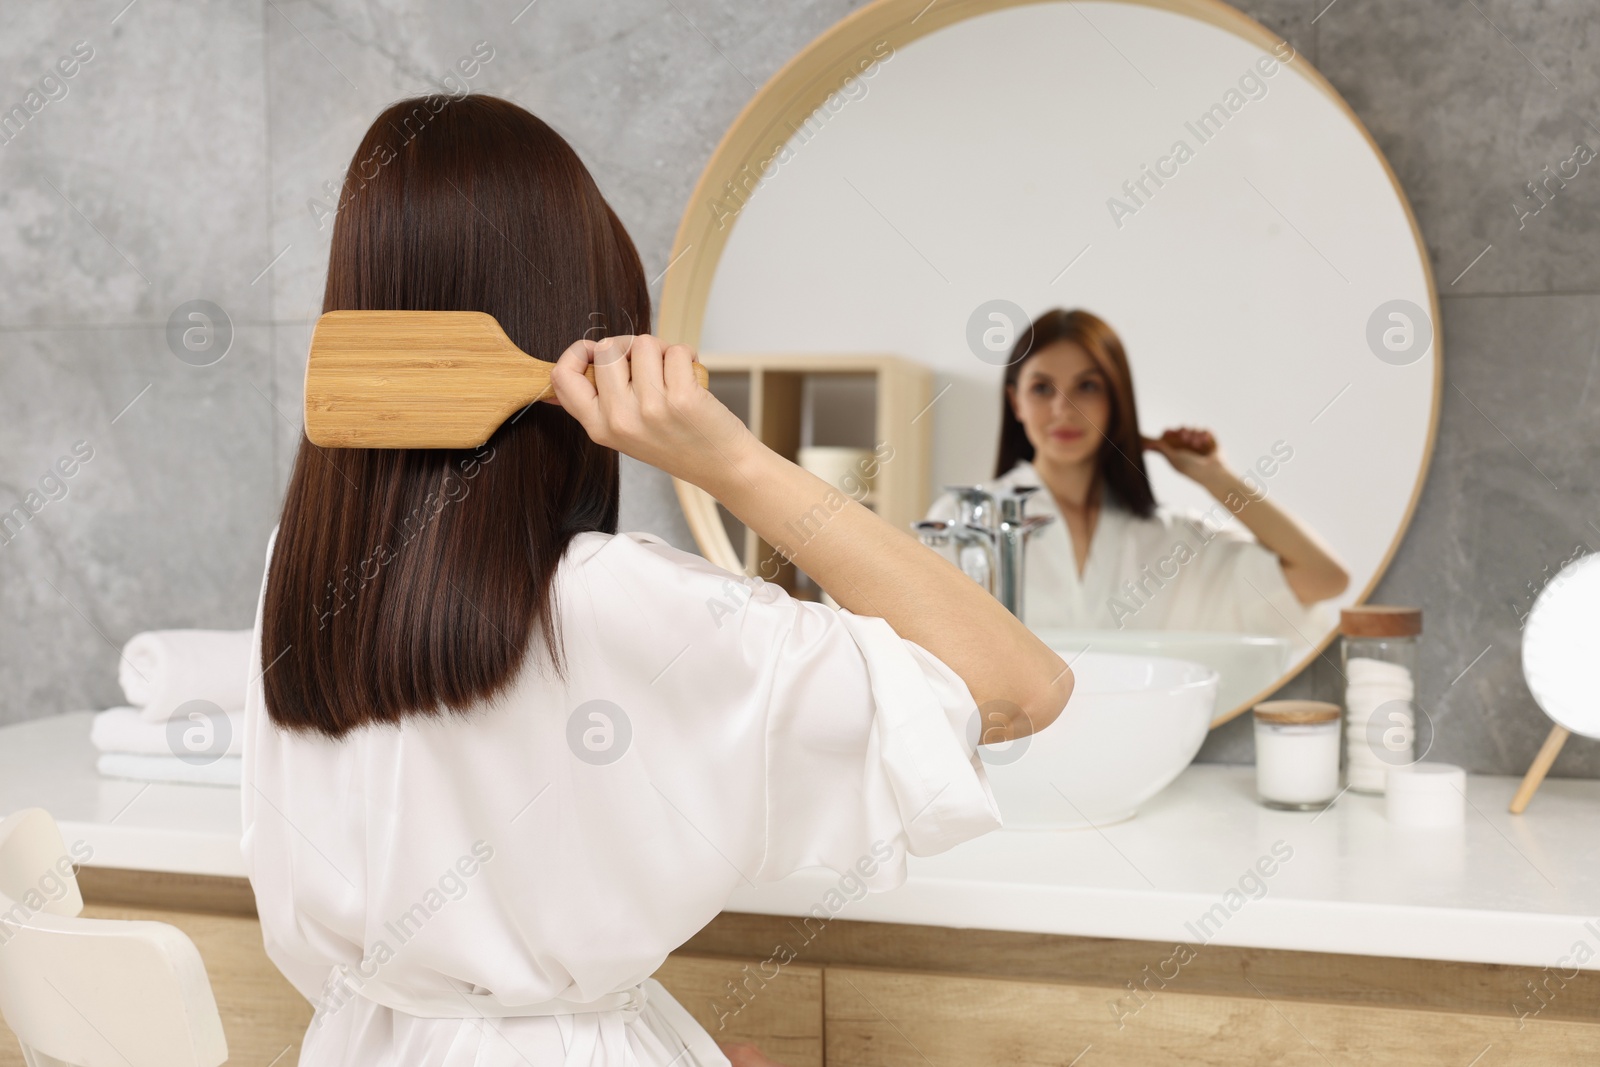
{"x":1310,"y":568}
{"x":1193,"y":453}
{"x":646,"y":403}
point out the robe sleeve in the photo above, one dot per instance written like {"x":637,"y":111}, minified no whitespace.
{"x":1239,"y":586}
{"x":870,"y":751}
{"x":868,"y":738}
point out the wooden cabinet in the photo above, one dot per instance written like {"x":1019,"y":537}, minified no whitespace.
{"x":909,"y":1019}
{"x":892,"y":995}
{"x":735,"y":1000}
{"x":898,"y":995}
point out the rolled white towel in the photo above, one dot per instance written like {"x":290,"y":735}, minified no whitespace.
{"x":164,"y":669}
{"x":126,"y":730}
{"x":226,"y":770}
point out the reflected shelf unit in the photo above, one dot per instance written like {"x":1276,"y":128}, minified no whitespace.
{"x":876,"y":402}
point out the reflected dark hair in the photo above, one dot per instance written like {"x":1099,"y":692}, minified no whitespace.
{"x":1121,"y":459}
{"x":411,"y":581}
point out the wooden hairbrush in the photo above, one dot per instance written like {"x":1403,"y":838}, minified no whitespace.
{"x":419,"y":379}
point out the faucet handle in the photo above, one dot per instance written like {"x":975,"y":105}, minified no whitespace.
{"x":933,"y":532}
{"x":1012,"y":501}
{"x":975,"y":501}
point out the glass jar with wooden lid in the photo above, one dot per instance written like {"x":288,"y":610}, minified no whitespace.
{"x":1378,"y":654}
{"x":1297,"y":753}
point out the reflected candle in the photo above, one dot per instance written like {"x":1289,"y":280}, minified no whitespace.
{"x":1297,"y":753}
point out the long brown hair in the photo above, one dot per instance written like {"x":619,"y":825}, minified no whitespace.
{"x":1121,"y":457}
{"x":411,"y":581}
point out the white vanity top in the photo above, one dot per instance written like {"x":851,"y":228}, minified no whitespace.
{"x":144,"y":826}
{"x":1503,"y":889}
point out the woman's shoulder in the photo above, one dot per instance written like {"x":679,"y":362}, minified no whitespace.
{"x":638,"y":547}
{"x":639,"y":561}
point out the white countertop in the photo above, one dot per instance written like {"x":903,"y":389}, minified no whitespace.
{"x":1503,"y":889}
{"x":187,"y":829}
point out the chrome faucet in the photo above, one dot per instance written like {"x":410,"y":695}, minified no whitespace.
{"x":990,"y":536}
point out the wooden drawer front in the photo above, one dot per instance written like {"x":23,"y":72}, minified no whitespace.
{"x":735,"y":1000}
{"x":905,"y":1019}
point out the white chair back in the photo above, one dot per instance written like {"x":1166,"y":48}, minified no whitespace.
{"x":93,"y":992}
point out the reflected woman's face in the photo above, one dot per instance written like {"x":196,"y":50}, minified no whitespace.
{"x":1063,"y":401}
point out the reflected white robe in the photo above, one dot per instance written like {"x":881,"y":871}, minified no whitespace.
{"x":768,"y":734}
{"x":1172,"y":571}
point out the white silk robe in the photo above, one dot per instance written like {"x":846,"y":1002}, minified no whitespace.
{"x":420,"y":882}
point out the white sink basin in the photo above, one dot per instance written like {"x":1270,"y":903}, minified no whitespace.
{"x":1133,"y":724}
{"x":1246,"y":663}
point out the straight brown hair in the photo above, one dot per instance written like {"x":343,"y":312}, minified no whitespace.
{"x":1120,"y":464}
{"x":411,"y":581}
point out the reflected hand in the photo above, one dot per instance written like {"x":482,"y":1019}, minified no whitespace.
{"x":1193,"y":453}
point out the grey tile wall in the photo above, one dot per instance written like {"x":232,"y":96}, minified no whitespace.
{"x":183,"y":161}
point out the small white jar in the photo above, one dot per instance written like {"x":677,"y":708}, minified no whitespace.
{"x":1426,"y":795}
{"x":1297,"y":753}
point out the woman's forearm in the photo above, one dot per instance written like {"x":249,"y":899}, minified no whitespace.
{"x":1311,"y":570}
{"x":872,"y":568}
{"x":645,"y":401}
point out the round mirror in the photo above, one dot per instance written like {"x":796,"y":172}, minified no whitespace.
{"x":926,"y":180}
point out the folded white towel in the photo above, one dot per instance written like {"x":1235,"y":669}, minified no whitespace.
{"x":164,"y":669}
{"x":224,"y":771}
{"x":126,"y":730}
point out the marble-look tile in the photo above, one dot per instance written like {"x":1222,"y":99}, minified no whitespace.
{"x":164,"y":526}
{"x":291,"y":342}
{"x":144,"y":185}
{"x":1470,"y":99}
{"x":643,"y":91}
{"x":1510,"y":496}
{"x":1293,"y":20}
{"x":650,"y":503}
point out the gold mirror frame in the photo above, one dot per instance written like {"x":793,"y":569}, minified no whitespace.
{"x":766,"y":124}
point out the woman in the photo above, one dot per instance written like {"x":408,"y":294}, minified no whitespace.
{"x":1113,"y":558}
{"x":500,"y":759}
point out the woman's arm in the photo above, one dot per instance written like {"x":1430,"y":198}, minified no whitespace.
{"x":1309,"y":567}
{"x":663,"y":417}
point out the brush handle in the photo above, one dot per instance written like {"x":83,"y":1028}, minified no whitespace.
{"x":419,"y":379}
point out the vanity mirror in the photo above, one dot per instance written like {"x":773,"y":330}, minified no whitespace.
{"x":927,"y":179}
{"x":1558,"y":642}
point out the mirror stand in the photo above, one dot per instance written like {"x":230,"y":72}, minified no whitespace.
{"x":1539,"y":768}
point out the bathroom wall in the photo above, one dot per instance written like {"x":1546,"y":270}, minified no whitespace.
{"x":195,"y":150}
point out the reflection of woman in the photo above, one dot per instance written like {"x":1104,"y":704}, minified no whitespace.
{"x":1114,"y":559}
